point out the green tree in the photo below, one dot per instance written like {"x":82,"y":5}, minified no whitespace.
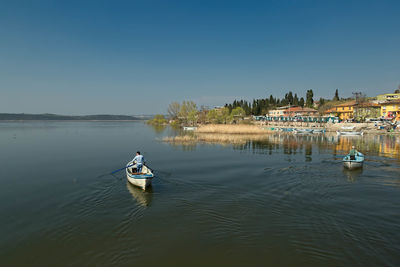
{"x":192,"y":117}
{"x":301,"y":102}
{"x":397,"y":91}
{"x":158,"y":120}
{"x":237,"y":113}
{"x":336,"y":97}
{"x":272,"y":100}
{"x":290,"y":98}
{"x":309,"y":98}
{"x":212,"y":116}
{"x":223,"y":115}
{"x":295,"y":100}
{"x":186,"y":108}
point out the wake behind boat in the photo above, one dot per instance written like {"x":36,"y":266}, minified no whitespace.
{"x":353,"y":163}
{"x":142,"y":179}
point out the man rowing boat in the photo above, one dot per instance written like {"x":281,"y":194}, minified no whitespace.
{"x":353,"y":152}
{"x":139,"y":160}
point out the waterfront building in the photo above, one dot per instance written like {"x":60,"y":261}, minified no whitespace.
{"x":300,"y":111}
{"x":387,"y":97}
{"x":344,"y":111}
{"x":391,"y":109}
{"x":366,"y":110}
{"x":292,"y":111}
{"x":277,"y":112}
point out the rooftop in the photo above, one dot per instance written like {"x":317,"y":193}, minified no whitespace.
{"x":346,"y":104}
{"x":294,"y":109}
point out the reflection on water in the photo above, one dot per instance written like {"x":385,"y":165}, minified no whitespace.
{"x":352,"y":175}
{"x":380,"y":145}
{"x":142,"y":197}
{"x":158,"y":128}
{"x":279,"y":200}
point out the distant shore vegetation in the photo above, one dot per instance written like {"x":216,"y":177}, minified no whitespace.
{"x":187,"y":113}
{"x":240,"y":111}
{"x":56,"y":117}
{"x":158,"y":120}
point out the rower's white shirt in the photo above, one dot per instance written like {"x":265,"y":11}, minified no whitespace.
{"x":139,"y":159}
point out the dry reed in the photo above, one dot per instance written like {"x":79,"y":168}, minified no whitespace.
{"x":230,"y":129}
{"x":215,"y":138}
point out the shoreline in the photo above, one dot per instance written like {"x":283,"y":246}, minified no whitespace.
{"x":67,"y":120}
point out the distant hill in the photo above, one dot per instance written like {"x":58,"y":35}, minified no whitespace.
{"x":55,"y":117}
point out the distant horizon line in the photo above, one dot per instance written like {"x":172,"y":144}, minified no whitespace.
{"x":81,"y":115}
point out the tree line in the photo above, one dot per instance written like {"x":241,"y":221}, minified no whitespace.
{"x":263,"y":105}
{"x":187,"y":113}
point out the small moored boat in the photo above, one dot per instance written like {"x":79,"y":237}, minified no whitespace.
{"x":319,"y":131}
{"x":142,"y":179}
{"x":352,"y":133}
{"x":187,"y":128}
{"x":304,"y":131}
{"x":355,"y":163}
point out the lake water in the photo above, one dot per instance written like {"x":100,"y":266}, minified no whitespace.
{"x":282,"y":201}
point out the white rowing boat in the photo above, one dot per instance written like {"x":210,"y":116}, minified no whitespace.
{"x":352,"y":133}
{"x":303,"y":131}
{"x":142,"y":179}
{"x":187,"y":128}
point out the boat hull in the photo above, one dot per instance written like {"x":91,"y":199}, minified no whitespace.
{"x":349,"y":133}
{"x":352,"y":165}
{"x":303,"y":131}
{"x":189,"y":128}
{"x":142,"y":180}
{"x":355,"y":163}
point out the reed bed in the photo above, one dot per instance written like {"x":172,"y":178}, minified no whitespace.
{"x":230,"y":129}
{"x":215,"y":138}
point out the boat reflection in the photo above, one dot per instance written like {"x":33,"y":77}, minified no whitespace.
{"x":143,"y":198}
{"x":352,"y":175}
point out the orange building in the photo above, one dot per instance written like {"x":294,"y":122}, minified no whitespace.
{"x":344,"y":111}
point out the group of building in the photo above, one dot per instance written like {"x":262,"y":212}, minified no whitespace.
{"x":385,"y":106}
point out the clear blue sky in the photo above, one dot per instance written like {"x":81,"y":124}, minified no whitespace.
{"x":135,"y":57}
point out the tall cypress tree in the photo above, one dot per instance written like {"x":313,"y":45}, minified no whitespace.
{"x":295,"y":100}
{"x":309,"y":98}
{"x":336,"y":97}
{"x":301,"y":102}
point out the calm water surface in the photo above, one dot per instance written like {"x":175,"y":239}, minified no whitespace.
{"x":282,"y":201}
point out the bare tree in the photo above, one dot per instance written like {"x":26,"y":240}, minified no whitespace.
{"x":174,"y":109}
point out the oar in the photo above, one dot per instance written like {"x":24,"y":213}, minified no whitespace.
{"x":121,"y":169}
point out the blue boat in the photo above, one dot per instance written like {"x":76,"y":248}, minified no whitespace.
{"x":355,"y":163}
